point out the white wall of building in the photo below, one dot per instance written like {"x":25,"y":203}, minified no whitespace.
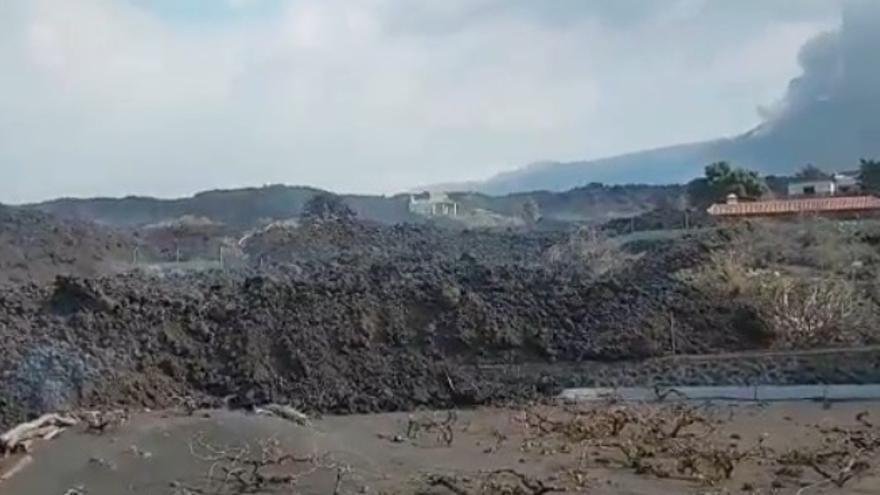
{"x":812,"y":188}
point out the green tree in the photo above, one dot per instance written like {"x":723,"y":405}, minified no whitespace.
{"x":812,"y":172}
{"x":721,"y":179}
{"x":869,"y":176}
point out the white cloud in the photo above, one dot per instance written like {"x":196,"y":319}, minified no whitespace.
{"x":105,"y":97}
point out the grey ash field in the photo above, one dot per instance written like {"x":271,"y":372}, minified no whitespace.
{"x":602,"y":449}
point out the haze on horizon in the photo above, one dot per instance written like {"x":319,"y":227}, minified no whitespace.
{"x":170,"y":97}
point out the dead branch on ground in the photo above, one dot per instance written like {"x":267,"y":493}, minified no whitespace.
{"x":46,"y":427}
{"x":99,"y":422}
{"x":497,"y":482}
{"x":254,"y":469}
{"x":444,"y":429}
{"x":844,"y":453}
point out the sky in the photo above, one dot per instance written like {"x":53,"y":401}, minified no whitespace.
{"x":170,"y":97}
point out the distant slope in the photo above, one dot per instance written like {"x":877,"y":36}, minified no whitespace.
{"x":671,"y":165}
{"x":830,"y":117}
{"x":241,"y":209}
{"x":235,"y":207}
{"x":830,"y":135}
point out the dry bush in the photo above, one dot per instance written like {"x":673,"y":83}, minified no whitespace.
{"x":811,"y":312}
{"x":671,"y":441}
{"x":498,"y":482}
{"x":442,"y":428}
{"x":843,"y":453}
{"x":588,"y":249}
{"x":798,"y":306}
{"x":727,"y":273}
{"x":816,"y":243}
{"x":510,"y":482}
{"x":580,"y":425}
{"x":611,"y":421}
{"x":254,"y":469}
{"x":710,"y":463}
{"x":837,"y":467}
{"x":834,"y":246}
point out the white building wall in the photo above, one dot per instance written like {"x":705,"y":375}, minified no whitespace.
{"x":812,"y":188}
{"x":437,"y":204}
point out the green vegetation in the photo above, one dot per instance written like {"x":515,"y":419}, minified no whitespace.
{"x":869,"y":176}
{"x":811,"y":172}
{"x":721,"y":179}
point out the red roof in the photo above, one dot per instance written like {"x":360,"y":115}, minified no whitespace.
{"x":796,"y":206}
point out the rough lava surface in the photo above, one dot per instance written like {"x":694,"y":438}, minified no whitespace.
{"x":390,"y":319}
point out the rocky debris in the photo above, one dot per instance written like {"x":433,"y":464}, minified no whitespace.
{"x":338,"y":239}
{"x":393,"y":322}
{"x":35,"y":246}
{"x":345,"y":316}
{"x":71,"y":295}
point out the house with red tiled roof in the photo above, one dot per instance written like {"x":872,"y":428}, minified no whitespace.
{"x":850,"y":206}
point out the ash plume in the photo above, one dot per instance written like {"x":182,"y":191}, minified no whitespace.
{"x":839,"y":78}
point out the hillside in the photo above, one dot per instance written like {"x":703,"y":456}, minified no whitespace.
{"x":673,"y":164}
{"x":822,"y":134}
{"x":242,"y":209}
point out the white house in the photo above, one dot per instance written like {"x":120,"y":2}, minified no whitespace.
{"x":846,"y":183}
{"x":821,"y":187}
{"x":432,"y":204}
{"x":836,"y":184}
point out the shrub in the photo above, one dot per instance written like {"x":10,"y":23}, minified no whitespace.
{"x":588,"y":249}
{"x":798,"y":308}
{"x":817,"y":243}
{"x":804,"y":312}
{"x":725,"y":274}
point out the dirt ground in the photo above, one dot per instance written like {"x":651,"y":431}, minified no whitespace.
{"x":470,"y":452}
